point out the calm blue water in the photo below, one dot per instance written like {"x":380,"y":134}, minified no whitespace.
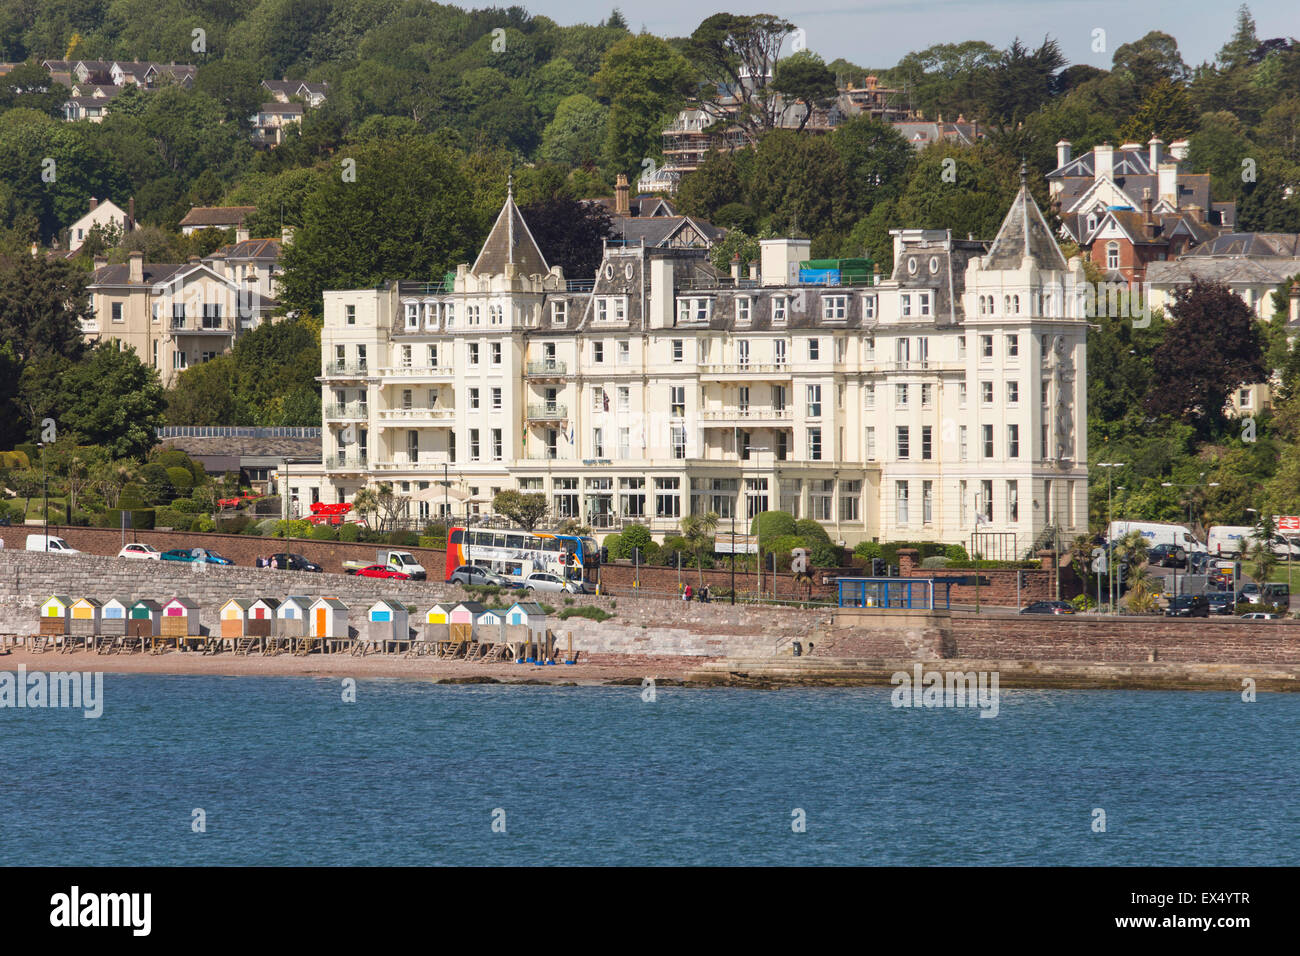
{"x":411,"y":774}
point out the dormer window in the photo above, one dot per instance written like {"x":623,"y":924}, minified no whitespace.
{"x":1092,"y":222}
{"x":412,"y":315}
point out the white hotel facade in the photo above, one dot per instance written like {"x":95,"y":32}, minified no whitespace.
{"x":946,"y":399}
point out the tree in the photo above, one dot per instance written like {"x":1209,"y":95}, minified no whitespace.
{"x":876,"y":158}
{"x":697,"y":530}
{"x":28,"y":85}
{"x":577,"y":133}
{"x":235,"y":84}
{"x":41,"y":301}
{"x":739,"y":54}
{"x":805,"y":77}
{"x":1214,"y":348}
{"x":570,"y":233}
{"x":1166,"y":112}
{"x":366,"y":503}
{"x":1018,"y":83}
{"x":526,"y":509}
{"x":646,"y":82}
{"x":1237,"y":51}
{"x":1147,"y":60}
{"x":737,"y":242}
{"x":203,"y":395}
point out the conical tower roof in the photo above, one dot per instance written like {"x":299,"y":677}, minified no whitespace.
{"x":1024,"y":232}
{"x":510,"y":241}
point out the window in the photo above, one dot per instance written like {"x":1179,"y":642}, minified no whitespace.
{"x":473,"y":315}
{"x":678,"y":349}
{"x":871,"y":443}
{"x":668,"y":499}
{"x":986,"y":393}
{"x":624,"y":442}
{"x":961,"y":348}
{"x":361,"y":357}
{"x":778,"y":352}
{"x":814,"y":401}
{"x":868,"y":306}
{"x":1013,"y":346}
{"x":905,"y":305}
{"x":404,"y":357}
{"x":598,"y":352}
{"x":412,"y":315}
{"x":987,"y":432}
{"x":961,"y":442}
{"x":814,"y":350}
{"x":986,"y":346}
{"x":835,"y":307}
{"x":903,"y":442}
{"x":742,"y":398}
{"x":451,"y":314}
{"x":1112,"y":255}
{"x":821,"y":496}
{"x":350,"y":314}
{"x":117,"y":311}
{"x":782,"y":451}
{"x":923,"y":300}
{"x":927,"y":502}
{"x":473,"y":444}
{"x":742,"y":353}
{"x":961,"y":394}
{"x":677,"y":401}
{"x":927,"y":442}
{"x":779,"y":307}
{"x":155,"y":353}
{"x":900,"y":396}
{"x":1045,"y":440}
{"x":927,"y":395}
{"x":1013,"y":441}
{"x":473,"y":399}
{"x":1044,"y":391}
{"x":496,"y":353}
{"x":624,"y":352}
{"x":495,"y":315}
{"x":814,"y":444}
{"x":742,"y":310}
{"x":986,"y":499}
{"x":1013,"y":393}
{"x":1013,"y":501}
{"x":900,"y":497}
{"x":598,"y":442}
{"x":496,"y":399}
{"x":870,"y":391}
{"x":559,"y":312}
{"x":1243,"y":398}
{"x":431,"y":315}
{"x":631,"y":493}
{"x":850,"y":498}
{"x":961,"y":502}
{"x":902,"y":351}
{"x":496,"y":444}
{"x":679,"y":441}
{"x":473,"y":353}
{"x":433,"y":356}
{"x":178,"y":361}
{"x":624,"y":398}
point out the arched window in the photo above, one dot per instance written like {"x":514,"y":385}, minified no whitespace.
{"x":1015,"y":304}
{"x":1112,"y":255}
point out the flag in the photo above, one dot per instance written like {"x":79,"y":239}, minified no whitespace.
{"x":605,"y":395}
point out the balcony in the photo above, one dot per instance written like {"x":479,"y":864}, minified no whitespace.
{"x":742,"y":371}
{"x":412,"y":372}
{"x":752,"y":415}
{"x":345,"y":462}
{"x":346,"y":370}
{"x":550,"y":368}
{"x":354,"y":412}
{"x":200,"y":327}
{"x":549,"y":412}
{"x":412,"y":461}
{"x":417,"y":416}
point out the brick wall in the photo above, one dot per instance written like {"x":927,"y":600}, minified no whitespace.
{"x":1040,"y":584}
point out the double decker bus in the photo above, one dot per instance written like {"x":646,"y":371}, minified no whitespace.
{"x":517,"y":554}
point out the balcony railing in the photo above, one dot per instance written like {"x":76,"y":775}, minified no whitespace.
{"x":751,"y":414}
{"x":346,"y":462}
{"x":548,"y":412}
{"x":747,"y":368}
{"x":200,"y":327}
{"x":417,"y":414}
{"x":546,"y":369}
{"x":354,"y":412}
{"x":346,"y":370}
{"x":417,"y":371}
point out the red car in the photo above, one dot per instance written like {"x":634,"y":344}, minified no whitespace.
{"x":379,"y":571}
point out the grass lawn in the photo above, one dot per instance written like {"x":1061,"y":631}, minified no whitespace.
{"x":57,"y":507}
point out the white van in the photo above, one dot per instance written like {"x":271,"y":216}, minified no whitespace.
{"x":1157,"y":533}
{"x":1227,"y":539}
{"x":51,"y":543}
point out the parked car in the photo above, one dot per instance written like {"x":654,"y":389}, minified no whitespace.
{"x":542,"y":581}
{"x":194,"y":554}
{"x":1167,"y":556}
{"x":380,"y":571}
{"x":1221,"y":602}
{"x":1198,"y":562}
{"x":146,"y":552}
{"x":1048,"y":607}
{"x":1260,"y":616}
{"x":288,"y":561}
{"x":1276,"y":593}
{"x":1250,"y":592}
{"x":473,"y":574}
{"x":1189,"y":605}
{"x":51,"y":543}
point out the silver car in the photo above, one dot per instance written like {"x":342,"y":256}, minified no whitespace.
{"x":542,"y":581}
{"x":474,"y":574}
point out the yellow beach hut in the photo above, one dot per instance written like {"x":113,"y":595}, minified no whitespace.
{"x":54,"y":614}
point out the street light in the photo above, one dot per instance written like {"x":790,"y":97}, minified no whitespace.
{"x":758,"y":543}
{"x":45,"y":490}
{"x":1110,"y":542}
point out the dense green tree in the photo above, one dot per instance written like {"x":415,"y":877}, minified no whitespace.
{"x":570,"y":233}
{"x":1019,"y":82}
{"x":29,"y":86}
{"x":876,"y":159}
{"x":577,"y":134}
{"x":804,"y":78}
{"x":645,"y":81}
{"x":1166,"y":112}
{"x":41,"y":302}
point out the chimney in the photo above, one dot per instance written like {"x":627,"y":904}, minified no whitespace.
{"x":241,"y":233}
{"x":753,"y":270}
{"x":194,"y":260}
{"x":36,"y":250}
{"x":735,"y":267}
{"x":100,"y":262}
{"x":1156,"y":145}
{"x":135,"y":267}
{"x":93,"y":203}
{"x":1103,"y":162}
{"x":286,"y":236}
{"x":1062,"y":153}
{"x":1167,"y":183}
{"x":130,"y":213}
{"x":622,"y":203}
{"x":1148,"y":220}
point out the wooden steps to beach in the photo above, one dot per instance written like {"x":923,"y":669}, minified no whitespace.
{"x":38,"y":644}
{"x":275,"y":645}
{"x":243,"y":645}
{"x":305,"y":646}
{"x":107,"y":645}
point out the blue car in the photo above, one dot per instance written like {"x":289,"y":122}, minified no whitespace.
{"x":194,"y":554}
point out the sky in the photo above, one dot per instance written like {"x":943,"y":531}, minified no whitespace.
{"x":878,"y":33}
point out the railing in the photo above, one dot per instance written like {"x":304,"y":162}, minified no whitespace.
{"x":416,"y":371}
{"x":237,"y":431}
{"x":199,"y":327}
{"x":345,"y":462}
{"x":416,"y":414}
{"x":346,"y":369}
{"x":746,"y":368}
{"x":747,"y":414}
{"x":352,"y":412}
{"x":548,"y":367}
{"x":547,"y":412}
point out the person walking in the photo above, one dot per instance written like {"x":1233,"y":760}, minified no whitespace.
{"x":686,"y":594}
{"x":704,"y":594}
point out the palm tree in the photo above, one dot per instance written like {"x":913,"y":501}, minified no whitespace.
{"x":1262,"y":561}
{"x":366,"y":502}
{"x":696,"y":530}
{"x":1133,"y":549}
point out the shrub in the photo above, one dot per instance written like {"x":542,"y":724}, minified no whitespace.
{"x":614,"y":544}
{"x":811,"y":531}
{"x":867,"y":550}
{"x":266,"y":527}
{"x":324,"y":532}
{"x":203,"y":524}
{"x":403,"y":539}
{"x":188,"y":506}
{"x":14,"y":460}
{"x":349,"y":532}
{"x":936,"y":561}
{"x":141,"y":518}
{"x":235,"y":524}
{"x":429,"y":541}
{"x":957,"y":552}
{"x":294,"y":528}
{"x":157,"y":483}
{"x":1083,"y":602}
{"x":780,"y":548}
{"x":171,"y":518}
{"x":29,"y":449}
{"x":568,"y":602}
{"x":635,"y":536}
{"x":773,"y":524}
{"x":591,"y":612}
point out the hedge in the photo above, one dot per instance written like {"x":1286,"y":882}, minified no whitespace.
{"x":142,"y":519}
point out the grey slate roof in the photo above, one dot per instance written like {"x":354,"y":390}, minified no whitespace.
{"x":510,"y":241}
{"x":1025,"y":232}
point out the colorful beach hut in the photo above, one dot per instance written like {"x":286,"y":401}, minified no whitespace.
{"x":291,"y":616}
{"x":461,"y":620}
{"x":146,"y":619}
{"x":529,"y":615}
{"x":438,"y":614}
{"x":261,"y":617}
{"x":113,"y":617}
{"x":54,"y":615}
{"x":488,"y":627}
{"x":84,"y":617}
{"x":329,"y":618}
{"x":180,"y":618}
{"x":389,"y":620}
{"x":234,"y":614}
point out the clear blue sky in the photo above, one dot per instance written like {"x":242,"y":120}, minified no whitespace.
{"x":877,"y":33}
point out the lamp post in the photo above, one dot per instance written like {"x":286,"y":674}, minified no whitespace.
{"x":758,"y":524}
{"x":1111,"y":591}
{"x":45,"y":491}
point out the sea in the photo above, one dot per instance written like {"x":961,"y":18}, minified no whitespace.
{"x":216,"y":771}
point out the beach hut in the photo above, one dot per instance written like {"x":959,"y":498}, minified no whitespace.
{"x":180,"y":618}
{"x":489,"y":627}
{"x":291,"y":616}
{"x":54,"y":615}
{"x":234,"y":614}
{"x":113,"y":617}
{"x":433,"y":627}
{"x":261,"y":616}
{"x":529,"y":615}
{"x":388,"y":620}
{"x":328,"y":618}
{"x":85,"y":614}
{"x":145,"y":620}
{"x":438,"y":614}
{"x":461,"y":620}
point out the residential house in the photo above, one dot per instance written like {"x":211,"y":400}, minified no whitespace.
{"x":106,"y":214}
{"x":216,"y":217}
